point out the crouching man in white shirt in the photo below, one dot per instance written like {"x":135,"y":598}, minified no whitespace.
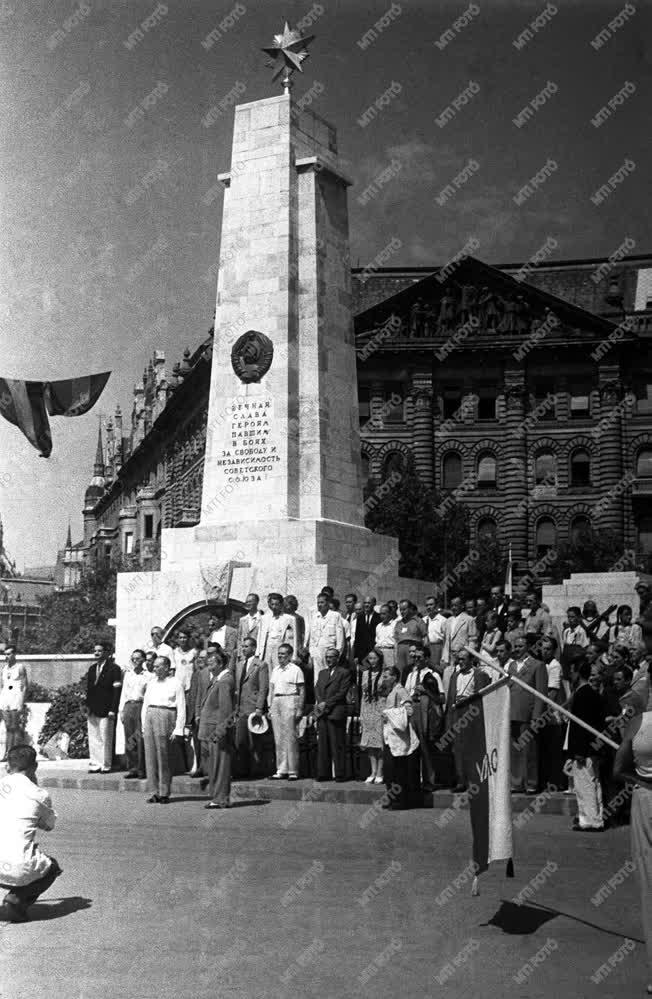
{"x":24,"y":808}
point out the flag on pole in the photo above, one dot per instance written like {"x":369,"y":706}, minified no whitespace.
{"x":508,"y":575}
{"x":487,"y":772}
{"x":27,"y":404}
{"x":74,"y":396}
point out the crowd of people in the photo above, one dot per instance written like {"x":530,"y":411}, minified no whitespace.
{"x":356,"y":691}
{"x":360,"y":692}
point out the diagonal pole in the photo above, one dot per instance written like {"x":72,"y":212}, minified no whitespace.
{"x":545,"y":699}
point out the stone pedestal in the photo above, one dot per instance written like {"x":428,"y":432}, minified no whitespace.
{"x":605,"y":588}
{"x":282,"y":505}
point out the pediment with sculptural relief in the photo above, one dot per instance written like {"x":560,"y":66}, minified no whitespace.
{"x":478,"y":305}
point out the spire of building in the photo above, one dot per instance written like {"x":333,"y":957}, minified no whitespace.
{"x":97,"y":485}
{"x":69,"y":538}
{"x":98,"y":470}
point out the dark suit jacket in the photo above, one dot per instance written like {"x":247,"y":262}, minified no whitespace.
{"x":524,"y":707}
{"x":251,"y":691}
{"x":104,"y":695}
{"x":501,"y":611}
{"x":333,"y":690}
{"x":299,"y":631}
{"x":481,"y":679}
{"x":216,"y":716}
{"x":199,"y":684}
{"x":589,"y":706}
{"x":365,"y":635}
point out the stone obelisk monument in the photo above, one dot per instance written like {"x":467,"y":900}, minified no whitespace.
{"x":282,"y":506}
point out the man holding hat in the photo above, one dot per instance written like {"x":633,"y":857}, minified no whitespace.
{"x":251,"y":689}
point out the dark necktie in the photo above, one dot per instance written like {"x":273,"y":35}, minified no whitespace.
{"x":243,"y":677}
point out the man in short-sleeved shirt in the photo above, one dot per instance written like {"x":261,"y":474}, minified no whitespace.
{"x":25,"y":808}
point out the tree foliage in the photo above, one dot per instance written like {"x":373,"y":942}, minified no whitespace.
{"x":432,"y":530}
{"x":589,"y":551}
{"x":73,"y":620}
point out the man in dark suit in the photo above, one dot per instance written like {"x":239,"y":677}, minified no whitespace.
{"x":330,"y":712}
{"x":466,"y":681}
{"x":216,"y":729}
{"x":249,"y":623}
{"x":365,"y":629}
{"x":251,"y":689}
{"x":499,"y":603}
{"x":199,"y":685}
{"x":525,"y":709}
{"x":103,"y":686}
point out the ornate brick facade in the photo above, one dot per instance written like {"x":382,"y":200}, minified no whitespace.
{"x":525,"y":391}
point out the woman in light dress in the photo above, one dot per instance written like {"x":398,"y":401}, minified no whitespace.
{"x":372,"y":703}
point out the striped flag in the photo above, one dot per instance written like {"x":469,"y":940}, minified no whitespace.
{"x":27,"y":404}
{"x":487,"y":772}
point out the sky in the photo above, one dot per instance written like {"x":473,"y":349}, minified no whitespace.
{"x":98,"y":270}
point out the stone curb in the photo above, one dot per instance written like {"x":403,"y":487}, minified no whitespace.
{"x":304,"y":792}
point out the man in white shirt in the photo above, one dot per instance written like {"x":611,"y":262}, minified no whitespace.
{"x":163,"y":719}
{"x":286,"y":696}
{"x":436,"y":623}
{"x":134,"y":682}
{"x":536,"y":620}
{"x":25,"y":808}
{"x":325,"y":630}
{"x":223,"y":634}
{"x":157,"y":644}
{"x":276,"y":629}
{"x":183,"y":659}
{"x":385,"y":642}
{"x":349,"y":617}
{"x":460,"y":630}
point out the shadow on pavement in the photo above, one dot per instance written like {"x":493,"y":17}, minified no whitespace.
{"x":54,"y":910}
{"x":521,"y":919}
{"x":526,"y":919}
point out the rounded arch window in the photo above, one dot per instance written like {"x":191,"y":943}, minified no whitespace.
{"x":644,"y":463}
{"x":452,"y":470}
{"x":645,"y":535}
{"x":580,"y":468}
{"x":580,"y":532}
{"x":487,"y":529}
{"x":546,"y":536}
{"x":487,"y":470}
{"x":545,"y":469}
{"x":394,"y":464}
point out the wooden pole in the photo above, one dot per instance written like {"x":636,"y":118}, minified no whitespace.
{"x":545,"y":699}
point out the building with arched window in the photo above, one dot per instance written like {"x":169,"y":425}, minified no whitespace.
{"x":525,"y":387}
{"x":528,"y":389}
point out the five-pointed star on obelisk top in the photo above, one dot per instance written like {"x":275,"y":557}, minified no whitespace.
{"x":291,"y":47}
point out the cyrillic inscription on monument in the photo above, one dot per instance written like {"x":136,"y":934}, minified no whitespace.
{"x":251,"y":451}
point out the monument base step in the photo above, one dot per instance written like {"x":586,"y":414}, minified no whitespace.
{"x":303,"y":793}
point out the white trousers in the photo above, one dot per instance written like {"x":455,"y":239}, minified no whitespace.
{"x":586,"y":782}
{"x":100,"y":741}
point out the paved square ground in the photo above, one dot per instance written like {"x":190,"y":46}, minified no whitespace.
{"x":286,"y":900}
